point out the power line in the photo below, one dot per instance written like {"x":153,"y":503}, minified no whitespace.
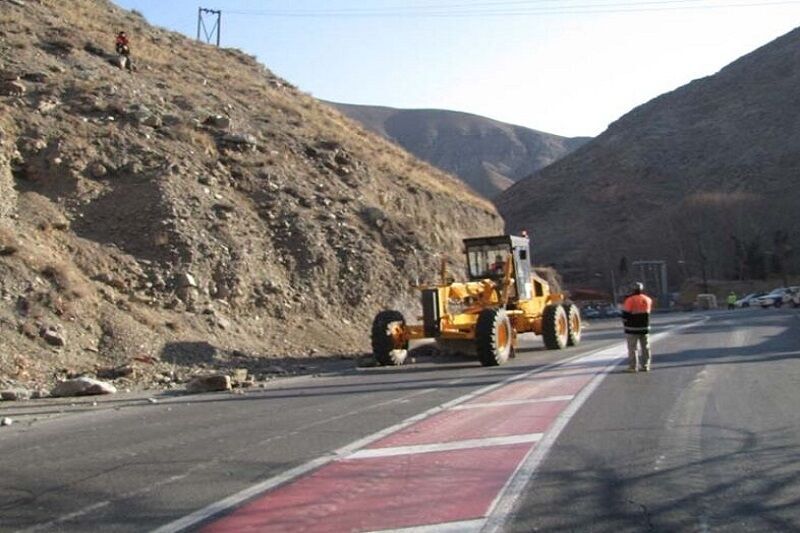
{"x":517,"y":8}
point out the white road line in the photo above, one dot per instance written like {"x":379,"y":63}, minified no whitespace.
{"x":501,"y":403}
{"x":368,"y":453}
{"x":67,"y":517}
{"x":503,"y":506}
{"x":254,"y":490}
{"x":465,"y":526}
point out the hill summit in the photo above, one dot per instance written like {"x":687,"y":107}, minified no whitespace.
{"x":488,"y":155}
{"x":198,"y":213}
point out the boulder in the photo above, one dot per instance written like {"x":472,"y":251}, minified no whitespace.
{"x":6,"y":421}
{"x":12,"y":395}
{"x":97,"y":170}
{"x":82,"y":386}
{"x":36,"y":77}
{"x":53,"y":336}
{"x":12,"y":88}
{"x":185,"y":280}
{"x":154,"y":121}
{"x":244,"y":140}
{"x":209,"y":384}
{"x":239,"y":374}
{"x":218,"y":121}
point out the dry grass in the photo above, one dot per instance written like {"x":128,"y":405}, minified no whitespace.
{"x":67,"y":280}
{"x":203,"y":141}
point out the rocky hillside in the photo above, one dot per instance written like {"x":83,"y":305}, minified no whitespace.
{"x":487,"y":155}
{"x":197,"y":213}
{"x":705,"y":176}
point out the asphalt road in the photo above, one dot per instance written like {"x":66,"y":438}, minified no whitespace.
{"x":707,"y":441}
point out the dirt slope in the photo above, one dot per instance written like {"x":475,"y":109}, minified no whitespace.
{"x":200,"y":212}
{"x":706,"y":174}
{"x":486,"y":154}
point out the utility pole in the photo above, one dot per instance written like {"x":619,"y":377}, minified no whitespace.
{"x":216,"y":29}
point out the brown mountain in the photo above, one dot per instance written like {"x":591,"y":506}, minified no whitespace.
{"x":487,"y":155}
{"x":197,"y":213}
{"x":705,"y":177}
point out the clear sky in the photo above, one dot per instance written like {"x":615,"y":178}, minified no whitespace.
{"x":569,"y":67}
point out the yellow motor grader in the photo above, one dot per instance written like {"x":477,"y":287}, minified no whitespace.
{"x":484,"y":315}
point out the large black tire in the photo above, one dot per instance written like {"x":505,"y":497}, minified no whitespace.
{"x":385,"y":348}
{"x":574,"y":324}
{"x":494,"y":337}
{"x":555,"y":327}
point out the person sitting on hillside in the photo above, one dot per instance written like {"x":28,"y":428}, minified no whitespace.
{"x":124,"y":50}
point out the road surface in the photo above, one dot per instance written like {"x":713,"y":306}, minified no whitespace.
{"x":553,"y":441}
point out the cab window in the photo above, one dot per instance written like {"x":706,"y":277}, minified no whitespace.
{"x":487,"y":261}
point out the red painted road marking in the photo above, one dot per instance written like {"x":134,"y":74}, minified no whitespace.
{"x":383,"y":493}
{"x":423,"y":464}
{"x":569,"y":382}
{"x":564,"y":382}
{"x":463,"y":424}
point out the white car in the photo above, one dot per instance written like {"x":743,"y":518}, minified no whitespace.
{"x":749,"y":300}
{"x":794,"y":297}
{"x":776,"y":298}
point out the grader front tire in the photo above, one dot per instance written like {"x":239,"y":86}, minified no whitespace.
{"x":494,"y":337}
{"x":574,"y":324}
{"x":387,"y":345}
{"x":555,"y":327}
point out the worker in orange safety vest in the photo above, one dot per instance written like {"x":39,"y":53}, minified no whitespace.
{"x":636,"y":318}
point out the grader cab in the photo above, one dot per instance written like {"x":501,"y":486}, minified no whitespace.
{"x":482,"y":316}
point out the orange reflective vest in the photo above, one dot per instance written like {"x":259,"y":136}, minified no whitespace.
{"x":637,"y":303}
{"x":636,"y":314}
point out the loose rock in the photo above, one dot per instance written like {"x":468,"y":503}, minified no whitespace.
{"x":53,"y":337}
{"x":82,"y":386}
{"x":209,"y":384}
{"x":218,"y":121}
{"x":6,"y":421}
{"x":12,"y":395}
{"x":12,"y":88}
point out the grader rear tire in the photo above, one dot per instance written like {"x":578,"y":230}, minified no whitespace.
{"x":494,"y":337}
{"x":555,"y":327}
{"x":574,"y":325}
{"x":385,"y":346}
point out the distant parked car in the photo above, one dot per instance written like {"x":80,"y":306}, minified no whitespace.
{"x":790,"y":296}
{"x":601,"y":311}
{"x":748,"y":300}
{"x":776,"y":298}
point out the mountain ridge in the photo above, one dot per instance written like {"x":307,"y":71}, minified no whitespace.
{"x":487,"y":154}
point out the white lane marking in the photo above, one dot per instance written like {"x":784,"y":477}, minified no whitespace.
{"x":99,"y":505}
{"x":67,"y":517}
{"x":565,"y":398}
{"x":368,"y":453}
{"x":465,"y":526}
{"x":503,"y":506}
{"x":254,"y":490}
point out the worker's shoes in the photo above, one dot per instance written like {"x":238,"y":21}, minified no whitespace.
{"x":645,"y":369}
